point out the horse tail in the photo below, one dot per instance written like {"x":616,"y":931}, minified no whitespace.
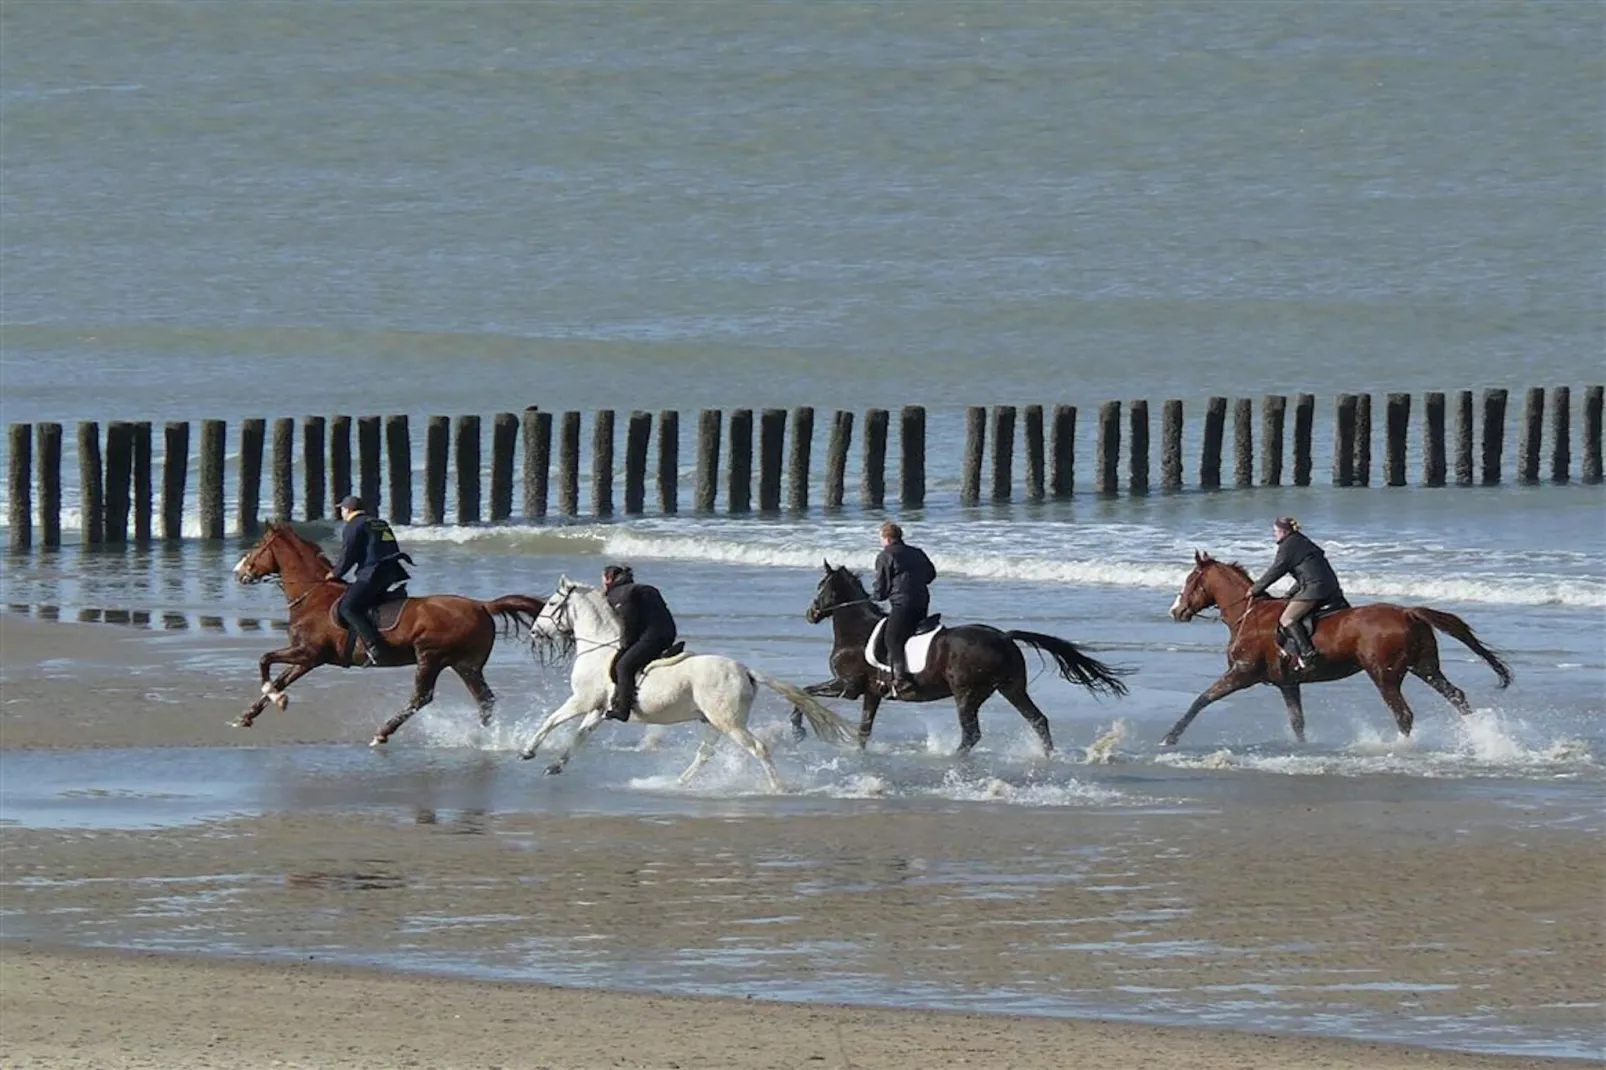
{"x":516,"y":610}
{"x":1075,"y":666}
{"x":1455,"y":627}
{"x":827,"y":725}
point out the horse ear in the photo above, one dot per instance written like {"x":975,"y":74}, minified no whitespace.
{"x":1198,"y":558}
{"x":825,"y":563}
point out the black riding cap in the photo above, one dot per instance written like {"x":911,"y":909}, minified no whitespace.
{"x":352,"y":502}
{"x":618,"y":572}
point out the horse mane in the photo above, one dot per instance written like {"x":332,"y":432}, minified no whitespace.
{"x":1233,"y":566}
{"x":309,"y":551}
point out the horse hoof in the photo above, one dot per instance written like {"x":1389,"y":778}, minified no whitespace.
{"x":1169,"y":741}
{"x":377,"y":741}
{"x":526,"y":755}
{"x":554,"y":769}
{"x":281,"y":701}
{"x":243,"y":722}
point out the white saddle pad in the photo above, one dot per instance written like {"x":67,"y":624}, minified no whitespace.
{"x":914,"y":651}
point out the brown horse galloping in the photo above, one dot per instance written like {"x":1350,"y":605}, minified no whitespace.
{"x":1385,"y":641}
{"x":435,"y":633}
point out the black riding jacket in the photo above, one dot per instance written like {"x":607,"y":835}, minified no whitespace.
{"x":1314,"y":578}
{"x":642,"y":612}
{"x":902,"y":574}
{"x":367,"y":544}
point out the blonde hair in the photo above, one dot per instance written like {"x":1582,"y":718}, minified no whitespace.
{"x":1287,"y":522}
{"x":889,"y":530}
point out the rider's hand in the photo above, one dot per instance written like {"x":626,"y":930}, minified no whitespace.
{"x":328,"y":576}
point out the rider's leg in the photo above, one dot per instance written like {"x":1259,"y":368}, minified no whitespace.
{"x":626,"y":669}
{"x":901,"y":623}
{"x":362,"y":593}
{"x":1294,"y":619}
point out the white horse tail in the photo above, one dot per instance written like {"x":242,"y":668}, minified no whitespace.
{"x":827,"y":725}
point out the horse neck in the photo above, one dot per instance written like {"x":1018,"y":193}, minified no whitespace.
{"x":593,"y":622}
{"x":853,"y":624}
{"x":300,"y":569}
{"x":1230,"y":591}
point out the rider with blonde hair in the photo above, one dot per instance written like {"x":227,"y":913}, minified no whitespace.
{"x":1315,"y":585}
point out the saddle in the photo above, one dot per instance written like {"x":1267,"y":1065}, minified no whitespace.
{"x":384,"y":615}
{"x":1309,"y":622}
{"x":914,"y":651}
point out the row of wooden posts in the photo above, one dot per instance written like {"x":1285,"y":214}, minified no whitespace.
{"x":116,"y":482}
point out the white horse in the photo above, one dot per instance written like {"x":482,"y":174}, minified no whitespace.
{"x":717,"y":690}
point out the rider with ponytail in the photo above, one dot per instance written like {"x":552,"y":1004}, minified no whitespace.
{"x":1315,"y":584}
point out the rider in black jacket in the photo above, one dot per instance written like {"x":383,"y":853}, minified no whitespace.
{"x":370,"y":547}
{"x":1315,"y":583}
{"x":649,"y":632}
{"x":902,"y":576}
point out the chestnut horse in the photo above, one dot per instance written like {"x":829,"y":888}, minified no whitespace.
{"x":1384,"y":641}
{"x":436,"y":632}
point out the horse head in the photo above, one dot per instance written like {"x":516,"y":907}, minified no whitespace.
{"x":262,"y":560}
{"x":839,"y":587}
{"x":1204,"y":587}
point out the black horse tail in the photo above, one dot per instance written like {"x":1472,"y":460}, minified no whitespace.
{"x":516,"y":610}
{"x":1075,"y":666}
{"x":1455,"y":627}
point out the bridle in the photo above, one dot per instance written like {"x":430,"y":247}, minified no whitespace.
{"x":565,"y":624}
{"x":277,"y":576}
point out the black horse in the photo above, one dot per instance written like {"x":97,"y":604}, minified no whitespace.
{"x":968,"y":662}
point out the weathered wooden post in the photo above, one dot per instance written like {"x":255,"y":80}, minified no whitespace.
{"x":1433,"y":467}
{"x":709,"y":423}
{"x":1137,"y":462}
{"x":1171,"y":445}
{"x":1463,"y":439}
{"x":91,"y":484}
{"x":142,"y":482}
{"x":1592,"y":413}
{"x":1243,"y":442}
{"x":1034,"y":453}
{"x":368,"y":449}
{"x":119,"y":480}
{"x":873,"y":481}
{"x":339,"y":457}
{"x":1304,"y":436}
{"x":504,"y":441}
{"x":1363,"y":440}
{"x":437,"y":457}
{"x":281,"y":468}
{"x":1062,"y":445}
{"x":19,"y":486}
{"x":836,"y":458}
{"x":602,"y":463}
{"x":912,"y":445}
{"x":213,"y":433}
{"x":799,"y":458}
{"x":48,"y":443}
{"x":537,"y":461}
{"x":1109,"y":447}
{"x":175,"y":474}
{"x":771,"y":448}
{"x":669,"y":462}
{"x":253,"y":432}
{"x":1398,"y":428}
{"x":466,"y":450}
{"x":1344,"y":441}
{"x":1003,"y":452}
{"x":313,"y":439}
{"x":1533,"y":431}
{"x":569,"y":464}
{"x":1273,"y":414}
{"x":638,"y":440}
{"x":399,"y":463}
{"x":1215,"y":429}
{"x":1561,"y":432}
{"x":739,"y":492}
{"x":1494,"y":433}
{"x":975,"y":452}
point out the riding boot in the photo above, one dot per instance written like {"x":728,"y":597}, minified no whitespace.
{"x":1307,"y":646}
{"x":619,"y":708}
{"x":372,"y":639}
{"x":902,"y":681}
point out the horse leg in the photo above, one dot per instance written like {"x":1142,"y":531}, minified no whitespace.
{"x":832,"y":688}
{"x":592,"y":719}
{"x":1434,"y":677}
{"x":872,"y":703}
{"x":1016,"y":694}
{"x":429,"y":670}
{"x":1231,"y":681}
{"x":273,"y":692}
{"x":969,"y":704}
{"x":705,"y":751}
{"x":1296,"y":711}
{"x":473,"y":678}
{"x":1388,"y":682}
{"x":563,"y":714}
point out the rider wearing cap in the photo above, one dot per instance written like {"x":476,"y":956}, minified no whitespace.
{"x":648,"y":633}
{"x":369,"y":546}
{"x":903,"y":574}
{"x":1315,"y":584}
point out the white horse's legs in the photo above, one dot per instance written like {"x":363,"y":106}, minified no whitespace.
{"x":705,"y":751}
{"x":593,"y":718}
{"x":755,"y":746}
{"x":563,"y":714}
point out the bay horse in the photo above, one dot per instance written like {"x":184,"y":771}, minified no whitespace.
{"x":967,"y":662}
{"x":1382,"y":640}
{"x":435,"y":632}
{"x":711,"y":688}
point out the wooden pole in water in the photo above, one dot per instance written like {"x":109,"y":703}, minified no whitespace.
{"x":1273,"y":415}
{"x":1344,"y":441}
{"x":91,"y":484}
{"x":1561,"y":432}
{"x":638,"y":440}
{"x":281,"y":465}
{"x":1171,"y":421}
{"x":1463,"y":439}
{"x":504,"y":441}
{"x":739,"y":492}
{"x":1137,"y":465}
{"x":873,"y":480}
{"x":1003,"y":452}
{"x":1363,"y":440}
{"x":1398,"y":432}
{"x":1034,"y":453}
{"x":602,"y":463}
{"x":1304,"y":436}
{"x":437,"y":457}
{"x":799,"y":458}
{"x":912,"y":445}
{"x":669,"y":462}
{"x":771,"y":446}
{"x":399,"y":463}
{"x":466,"y":448}
{"x":213,"y":433}
{"x":313,"y":439}
{"x":175,"y":474}
{"x":368,"y":439}
{"x":48,"y":442}
{"x":1494,"y":433}
{"x":1062,"y":445}
{"x":142,"y":483}
{"x":119,"y":480}
{"x":1215,"y":429}
{"x":709,"y":424}
{"x":19,"y":486}
{"x":537,"y":461}
{"x":569,"y":464}
{"x":1109,"y":447}
{"x":252,"y":433}
{"x":1243,"y":442}
{"x":1592,"y":414}
{"x":975,"y":451}
{"x":339,"y":457}
{"x":1533,"y":431}
{"x":1433,"y":467}
{"x":836,"y":458}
